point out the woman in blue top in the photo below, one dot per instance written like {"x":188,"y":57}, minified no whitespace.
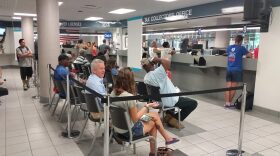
{"x":234,"y":75}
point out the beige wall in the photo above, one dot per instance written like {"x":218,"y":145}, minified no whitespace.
{"x":267,"y":92}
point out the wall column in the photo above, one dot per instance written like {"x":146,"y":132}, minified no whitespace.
{"x":134,"y":52}
{"x":48,"y":42}
{"x":28,"y":32}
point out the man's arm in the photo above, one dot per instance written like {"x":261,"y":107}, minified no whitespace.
{"x":164,"y":62}
{"x":21,"y":55}
{"x":249,"y":55}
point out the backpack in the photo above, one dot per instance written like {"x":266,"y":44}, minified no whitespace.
{"x":249,"y":101}
{"x":200,"y":61}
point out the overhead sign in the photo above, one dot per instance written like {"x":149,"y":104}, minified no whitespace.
{"x":168,"y":16}
{"x":96,"y":24}
{"x":199,"y":11}
{"x":108,"y":35}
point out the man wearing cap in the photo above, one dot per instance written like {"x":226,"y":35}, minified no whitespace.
{"x":157,"y":77}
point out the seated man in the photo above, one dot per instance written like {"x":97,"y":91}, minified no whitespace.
{"x":95,"y":80}
{"x":81,"y":58}
{"x":158,"y":78}
{"x":61,"y":72}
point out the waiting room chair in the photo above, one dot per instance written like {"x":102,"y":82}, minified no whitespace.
{"x":154,"y":92}
{"x":93,"y":107}
{"x":120,"y":120}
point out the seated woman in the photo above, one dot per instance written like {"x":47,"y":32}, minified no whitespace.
{"x":125,"y":86}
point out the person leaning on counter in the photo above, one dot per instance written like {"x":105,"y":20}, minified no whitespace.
{"x":234,"y":75}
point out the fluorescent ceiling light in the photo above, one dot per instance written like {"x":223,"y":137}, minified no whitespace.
{"x":174,"y":18}
{"x":233,"y":10}
{"x":25,"y":14}
{"x":207,"y":30}
{"x":16,"y":18}
{"x":60,"y":3}
{"x":121,"y":11}
{"x":166,"y":0}
{"x":93,"y":18}
{"x":19,"y":18}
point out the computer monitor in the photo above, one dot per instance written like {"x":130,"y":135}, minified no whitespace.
{"x":197,"y":46}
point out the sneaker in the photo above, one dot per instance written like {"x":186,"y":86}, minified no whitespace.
{"x":25,"y":87}
{"x":174,"y":123}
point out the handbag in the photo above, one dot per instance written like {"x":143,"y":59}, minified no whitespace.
{"x":164,"y":151}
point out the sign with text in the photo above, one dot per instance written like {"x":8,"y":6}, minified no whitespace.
{"x":168,"y":16}
{"x":108,"y":35}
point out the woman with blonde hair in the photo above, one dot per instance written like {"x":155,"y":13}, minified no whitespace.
{"x":125,"y":86}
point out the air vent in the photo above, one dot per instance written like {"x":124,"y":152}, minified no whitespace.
{"x":89,"y":6}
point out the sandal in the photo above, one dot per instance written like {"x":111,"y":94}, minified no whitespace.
{"x":174,"y":140}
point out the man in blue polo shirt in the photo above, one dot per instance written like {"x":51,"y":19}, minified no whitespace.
{"x":234,"y":75}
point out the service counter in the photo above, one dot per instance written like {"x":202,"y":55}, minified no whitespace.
{"x":192,"y":78}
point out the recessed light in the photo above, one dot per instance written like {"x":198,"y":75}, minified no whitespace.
{"x":93,"y":18}
{"x":233,"y":9}
{"x":121,"y":11}
{"x":60,"y":3}
{"x":166,"y":0}
{"x":174,"y":18}
{"x":19,"y":18}
{"x":24,"y":14}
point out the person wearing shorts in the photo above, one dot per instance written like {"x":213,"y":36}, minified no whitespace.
{"x":24,"y":56}
{"x":234,"y":74}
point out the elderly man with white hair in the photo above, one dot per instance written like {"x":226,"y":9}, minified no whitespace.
{"x":95,"y":80}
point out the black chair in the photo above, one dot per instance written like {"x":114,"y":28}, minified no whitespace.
{"x":74,"y":100}
{"x":59,"y":87}
{"x":86,"y":71}
{"x":154,"y":92}
{"x":93,"y":106}
{"x":121,"y":121}
{"x":109,"y":81}
{"x":78,"y":67}
{"x":142,"y":90}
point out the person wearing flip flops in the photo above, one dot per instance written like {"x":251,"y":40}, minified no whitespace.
{"x":142,"y":121}
{"x":234,"y":75}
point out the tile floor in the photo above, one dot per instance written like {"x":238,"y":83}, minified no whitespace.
{"x":28,"y":129}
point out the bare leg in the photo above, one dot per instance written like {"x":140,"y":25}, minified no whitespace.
{"x":232,"y":92}
{"x":227,"y":93}
{"x":149,"y":127}
{"x":159,"y":126}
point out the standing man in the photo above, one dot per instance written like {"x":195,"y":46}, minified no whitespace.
{"x":235,"y":67}
{"x":104,"y":48}
{"x":24,"y":56}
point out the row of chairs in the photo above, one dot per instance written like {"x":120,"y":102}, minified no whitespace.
{"x":89,"y":104}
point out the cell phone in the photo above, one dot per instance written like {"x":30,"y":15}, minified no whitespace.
{"x":146,"y":118}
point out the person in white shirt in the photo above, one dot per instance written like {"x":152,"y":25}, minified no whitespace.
{"x":157,"y":77}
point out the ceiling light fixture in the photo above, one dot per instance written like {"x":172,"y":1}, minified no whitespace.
{"x":174,"y":18}
{"x":60,"y":3}
{"x":205,"y":30}
{"x":93,"y":18}
{"x":19,"y":18}
{"x":233,"y":10}
{"x":25,"y":14}
{"x":122,"y":11}
{"x":166,"y":0}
